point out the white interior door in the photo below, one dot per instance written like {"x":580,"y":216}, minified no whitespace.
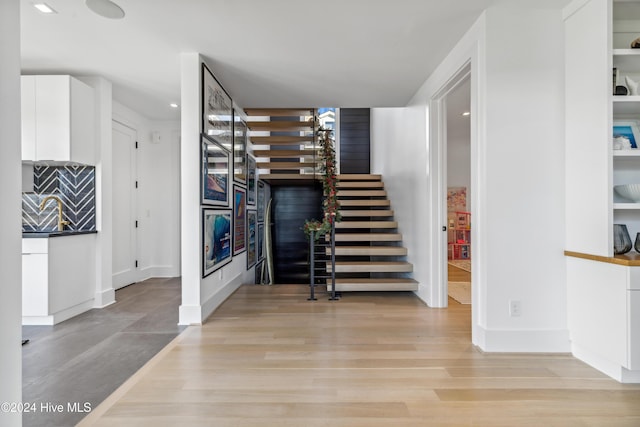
{"x":125,"y":248}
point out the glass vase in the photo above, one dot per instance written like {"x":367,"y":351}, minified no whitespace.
{"x":621,"y":239}
{"x":637,"y":243}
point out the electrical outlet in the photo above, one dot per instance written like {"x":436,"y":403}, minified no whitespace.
{"x":515,"y":308}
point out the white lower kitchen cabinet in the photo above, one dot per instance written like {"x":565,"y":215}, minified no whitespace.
{"x":604,"y":313}
{"x":58,"y":277}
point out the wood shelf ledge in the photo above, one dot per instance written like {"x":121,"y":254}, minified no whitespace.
{"x":631,"y":259}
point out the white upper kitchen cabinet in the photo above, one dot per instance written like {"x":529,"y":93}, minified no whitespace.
{"x":58,"y":120}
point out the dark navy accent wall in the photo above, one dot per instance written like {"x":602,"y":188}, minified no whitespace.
{"x":291,"y":206}
{"x":355,"y":149}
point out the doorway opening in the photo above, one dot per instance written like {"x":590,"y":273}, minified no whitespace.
{"x":457,"y":151}
{"x":456,"y":96}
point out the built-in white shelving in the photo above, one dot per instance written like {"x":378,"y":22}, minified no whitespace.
{"x":626,"y":153}
{"x":626,"y":206}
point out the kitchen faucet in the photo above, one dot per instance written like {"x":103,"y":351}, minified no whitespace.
{"x":61,"y":222}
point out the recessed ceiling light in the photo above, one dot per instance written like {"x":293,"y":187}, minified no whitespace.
{"x":173,"y":105}
{"x":44,"y":8}
{"x":466,"y":113}
{"x":106,"y":8}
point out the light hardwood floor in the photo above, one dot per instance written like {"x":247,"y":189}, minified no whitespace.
{"x":268,"y":357}
{"x":457,"y":274}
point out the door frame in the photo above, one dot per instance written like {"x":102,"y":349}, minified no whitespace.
{"x":438,"y":191}
{"x":134,"y":205}
{"x":438,"y":130}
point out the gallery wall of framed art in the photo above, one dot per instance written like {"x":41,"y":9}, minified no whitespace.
{"x":216,"y":242}
{"x":252,"y":241}
{"x":217,"y":193}
{"x":252,"y":180}
{"x":239,"y":219}
{"x":232,"y":198}
{"x":215,"y":172}
{"x":240,"y":141}
{"x":217,"y":110}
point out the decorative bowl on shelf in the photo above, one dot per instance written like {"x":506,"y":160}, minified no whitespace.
{"x":628,"y":191}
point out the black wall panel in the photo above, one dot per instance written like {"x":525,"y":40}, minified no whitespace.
{"x":291,"y":206}
{"x":355,"y":153}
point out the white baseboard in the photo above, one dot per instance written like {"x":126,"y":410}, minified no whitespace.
{"x":37,"y":320}
{"x":104,"y":298}
{"x":61,"y":316}
{"x":606,"y":366}
{"x":190,"y":315}
{"x":215,"y":300}
{"x":159,"y":271}
{"x":523,"y":341}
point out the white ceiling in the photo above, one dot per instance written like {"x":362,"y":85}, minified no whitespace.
{"x":266,"y":53}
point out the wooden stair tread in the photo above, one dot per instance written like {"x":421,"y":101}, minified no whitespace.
{"x":361,"y":193}
{"x":279,"y":112}
{"x":359,"y":177}
{"x":376,"y":280}
{"x":369,"y":250}
{"x":375,"y":284}
{"x":281,"y":140}
{"x":347,"y":213}
{"x":286,"y":165}
{"x":367,"y":224}
{"x":280,"y":126}
{"x":368,"y":237}
{"x":288,"y":177}
{"x":360,"y":184}
{"x":274,"y":154}
{"x":371,"y":267}
{"x":379,"y":202}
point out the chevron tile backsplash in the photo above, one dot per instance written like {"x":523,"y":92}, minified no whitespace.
{"x":74,"y":184}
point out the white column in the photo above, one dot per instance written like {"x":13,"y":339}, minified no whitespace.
{"x":104,"y":292}
{"x":10,"y":214}
{"x":191,"y":307}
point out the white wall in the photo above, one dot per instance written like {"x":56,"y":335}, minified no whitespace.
{"x":517,"y":177}
{"x":104,"y":292}
{"x":525,"y":176}
{"x":200,"y":296}
{"x":459,"y":163}
{"x":588,"y":129}
{"x":158,"y":196}
{"x":10,"y":214}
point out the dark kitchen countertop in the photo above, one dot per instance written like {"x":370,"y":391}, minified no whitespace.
{"x":46,"y":234}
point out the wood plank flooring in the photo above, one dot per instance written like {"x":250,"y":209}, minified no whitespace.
{"x":268,"y":357}
{"x":456,"y":274}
